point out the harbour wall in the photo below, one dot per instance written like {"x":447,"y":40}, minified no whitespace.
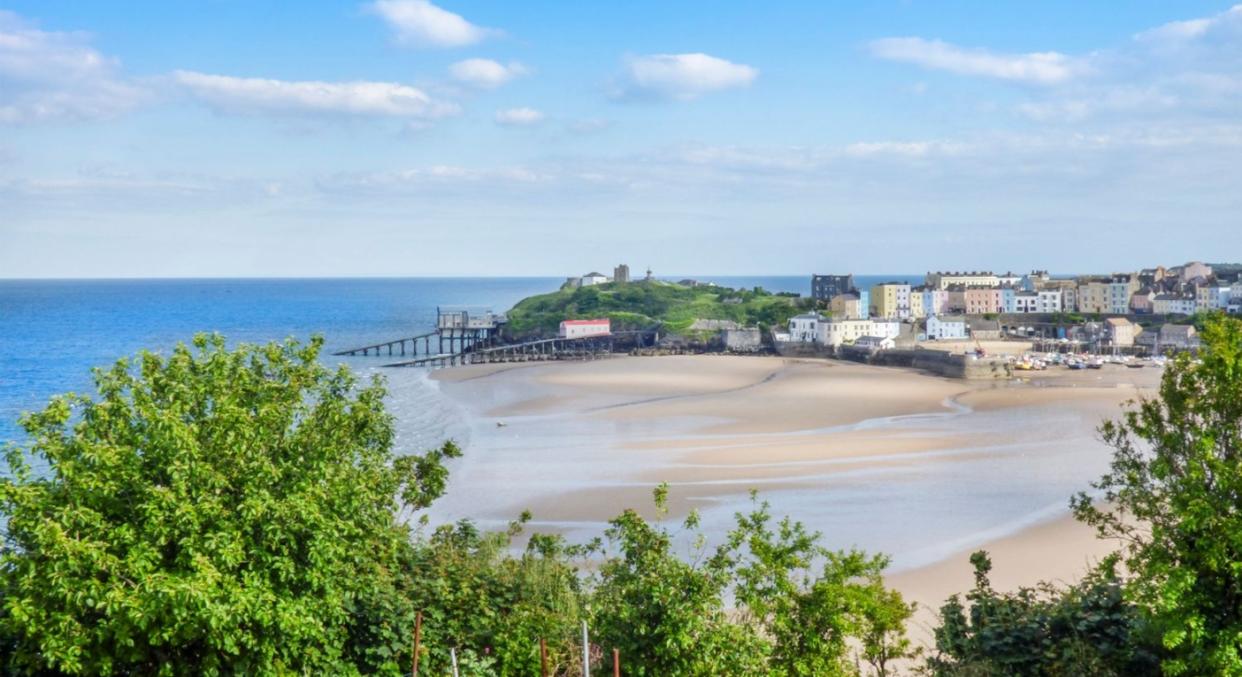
{"x":933,"y":361}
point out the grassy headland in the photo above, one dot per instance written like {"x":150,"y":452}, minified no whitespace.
{"x":642,"y":304}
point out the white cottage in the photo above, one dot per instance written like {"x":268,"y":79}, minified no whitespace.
{"x":804,"y":328}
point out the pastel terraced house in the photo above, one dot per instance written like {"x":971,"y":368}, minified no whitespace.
{"x":935,"y":301}
{"x":891,"y":300}
{"x":980,"y":301}
{"x":916,"y":303}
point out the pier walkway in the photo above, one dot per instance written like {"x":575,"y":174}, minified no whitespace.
{"x":472,"y":336}
{"x":580,"y":348}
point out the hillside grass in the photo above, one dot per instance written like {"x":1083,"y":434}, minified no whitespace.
{"x":643,"y":304}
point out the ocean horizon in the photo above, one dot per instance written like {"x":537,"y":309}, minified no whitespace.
{"x":55,"y":331}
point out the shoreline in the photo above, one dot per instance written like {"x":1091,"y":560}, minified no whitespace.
{"x":925,"y":468}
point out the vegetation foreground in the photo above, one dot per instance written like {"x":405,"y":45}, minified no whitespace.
{"x":222,"y":512}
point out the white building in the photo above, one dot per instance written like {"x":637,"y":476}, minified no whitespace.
{"x":1120,"y":288}
{"x":876,"y":342}
{"x":941,"y":327}
{"x":834,"y":332}
{"x":944,"y":280}
{"x":1172,"y":304}
{"x":804,"y":328}
{"x":1049,"y":301}
{"x":1235,"y":297}
{"x":1026,"y":302}
{"x":581,"y":328}
{"x":593,"y":279}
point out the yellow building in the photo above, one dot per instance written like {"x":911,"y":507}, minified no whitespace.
{"x":1093,"y":296}
{"x":891,"y":300}
{"x":916,"y":303}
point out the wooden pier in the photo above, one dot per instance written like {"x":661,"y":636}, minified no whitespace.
{"x":581,"y":348}
{"x":457,"y":330}
{"x":400,"y":344}
{"x":473,"y":337}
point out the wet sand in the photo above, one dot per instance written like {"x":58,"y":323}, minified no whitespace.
{"x":924,"y":468}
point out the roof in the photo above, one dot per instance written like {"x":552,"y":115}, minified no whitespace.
{"x":594,"y":275}
{"x":574,"y":323}
{"x":808,"y":316}
{"x":1118,"y":322}
{"x":846,"y":320}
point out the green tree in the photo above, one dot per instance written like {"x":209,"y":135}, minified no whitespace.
{"x":666,"y":615}
{"x":799,"y":609}
{"x":813,"y":620}
{"x":492,"y":606}
{"x":211,"y":512}
{"x":1086,"y":629}
{"x":1174,"y":495}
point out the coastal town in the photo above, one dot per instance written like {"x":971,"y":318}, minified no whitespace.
{"x":1136,"y":313}
{"x":1011,"y":321}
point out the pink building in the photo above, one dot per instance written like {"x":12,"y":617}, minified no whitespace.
{"x":980,"y":300}
{"x":581,"y":328}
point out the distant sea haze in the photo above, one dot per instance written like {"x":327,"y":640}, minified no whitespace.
{"x":55,"y":331}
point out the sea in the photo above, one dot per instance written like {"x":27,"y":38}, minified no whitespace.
{"x":54,"y":332}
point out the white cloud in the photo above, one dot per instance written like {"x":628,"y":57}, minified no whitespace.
{"x":1192,"y":28}
{"x":1044,"y":68}
{"x":1182,"y":71}
{"x":906,"y":149}
{"x":48,"y":75}
{"x":485,"y":73}
{"x":518,"y":117}
{"x":683,"y":76}
{"x":422,"y":24}
{"x":261,"y":95}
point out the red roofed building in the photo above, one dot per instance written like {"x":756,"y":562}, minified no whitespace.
{"x":580,"y":328}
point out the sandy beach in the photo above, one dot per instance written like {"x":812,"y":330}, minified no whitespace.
{"x":924,"y":468}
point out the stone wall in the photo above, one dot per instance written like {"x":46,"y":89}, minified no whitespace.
{"x":800,"y":349}
{"x":935,"y":362}
{"x":743,"y":340}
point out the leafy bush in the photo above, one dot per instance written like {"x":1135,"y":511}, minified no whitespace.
{"x":668,"y":615}
{"x":1086,"y":629}
{"x":478,"y":598}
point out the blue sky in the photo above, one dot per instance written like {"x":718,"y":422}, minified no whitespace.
{"x":405,"y":137}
